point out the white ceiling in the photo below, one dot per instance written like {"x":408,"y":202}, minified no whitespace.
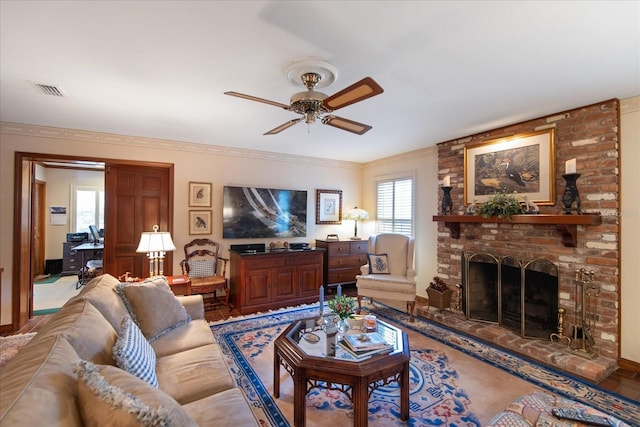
{"x":448,"y":68}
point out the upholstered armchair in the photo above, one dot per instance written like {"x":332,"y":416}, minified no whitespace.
{"x":389,"y":273}
{"x":206,"y":268}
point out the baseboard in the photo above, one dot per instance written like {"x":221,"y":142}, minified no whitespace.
{"x":629,"y":365}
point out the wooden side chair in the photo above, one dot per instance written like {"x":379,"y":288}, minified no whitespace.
{"x":206,"y":268}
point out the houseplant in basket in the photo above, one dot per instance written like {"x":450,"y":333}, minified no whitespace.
{"x":439,"y":294}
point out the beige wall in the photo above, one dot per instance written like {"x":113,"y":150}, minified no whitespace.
{"x":423,"y":166}
{"x":630,"y":223}
{"x":60,"y":184}
{"x":193,"y":162}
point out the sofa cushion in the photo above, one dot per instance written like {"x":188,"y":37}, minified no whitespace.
{"x":194,"y":334}
{"x":378,"y":263}
{"x":109,"y":396}
{"x":153,"y":306}
{"x":134,"y":354}
{"x":38,"y":384}
{"x":101,"y":293}
{"x":194,"y":374}
{"x":199,"y":268}
{"x":227,"y":408}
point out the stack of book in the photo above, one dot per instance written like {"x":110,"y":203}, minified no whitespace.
{"x":363,"y":346}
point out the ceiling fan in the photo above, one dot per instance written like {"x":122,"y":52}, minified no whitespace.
{"x":312,"y":105}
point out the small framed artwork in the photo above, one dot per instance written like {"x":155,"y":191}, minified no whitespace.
{"x":522,"y":164}
{"x":200,"y":194}
{"x":200,"y":222}
{"x":328,"y":206}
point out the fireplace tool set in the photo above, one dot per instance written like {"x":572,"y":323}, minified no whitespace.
{"x":583,"y":333}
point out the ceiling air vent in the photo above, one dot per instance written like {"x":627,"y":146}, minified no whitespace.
{"x":46,"y":89}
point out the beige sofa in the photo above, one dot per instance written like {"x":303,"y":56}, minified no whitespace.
{"x":40,"y":385}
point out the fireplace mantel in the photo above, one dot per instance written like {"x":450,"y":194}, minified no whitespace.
{"x":567,"y":225}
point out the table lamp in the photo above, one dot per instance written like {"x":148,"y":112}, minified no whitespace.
{"x":356,"y":214}
{"x":156,"y":244}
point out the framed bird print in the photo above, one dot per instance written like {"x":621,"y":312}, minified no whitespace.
{"x":200,"y":194}
{"x":522,"y":164}
{"x":199,"y":222}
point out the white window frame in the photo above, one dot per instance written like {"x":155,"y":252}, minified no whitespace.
{"x":74,"y":202}
{"x":396,"y":178}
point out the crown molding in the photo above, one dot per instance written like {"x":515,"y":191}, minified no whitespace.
{"x":403,"y":157}
{"x":166,"y":144}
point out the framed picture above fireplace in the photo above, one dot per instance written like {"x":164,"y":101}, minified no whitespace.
{"x":522,"y":164}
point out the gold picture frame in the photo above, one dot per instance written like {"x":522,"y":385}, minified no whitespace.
{"x":200,"y":222}
{"x":328,"y":206}
{"x":200,"y":194}
{"x":523,"y":164}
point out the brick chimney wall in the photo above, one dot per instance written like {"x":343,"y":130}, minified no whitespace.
{"x":589,"y":134}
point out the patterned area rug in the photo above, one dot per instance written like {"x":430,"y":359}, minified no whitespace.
{"x":10,"y":345}
{"x":435,"y":397}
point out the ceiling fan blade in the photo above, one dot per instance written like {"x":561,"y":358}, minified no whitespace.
{"x":283,"y":126}
{"x":346,"y":124}
{"x":365,"y":88}
{"x":255,"y":98}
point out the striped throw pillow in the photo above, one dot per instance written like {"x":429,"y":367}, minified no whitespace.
{"x":134,"y":354}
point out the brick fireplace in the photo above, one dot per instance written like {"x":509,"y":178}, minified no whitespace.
{"x":590,"y":135}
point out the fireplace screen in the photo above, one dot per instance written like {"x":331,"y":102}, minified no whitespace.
{"x":521,"y":295}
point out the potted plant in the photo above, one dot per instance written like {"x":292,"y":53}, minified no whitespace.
{"x":344,"y":307}
{"x":439,"y":294}
{"x":501,"y":205}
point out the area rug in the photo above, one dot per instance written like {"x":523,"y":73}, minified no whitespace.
{"x":11,"y":344}
{"x":435,"y":396}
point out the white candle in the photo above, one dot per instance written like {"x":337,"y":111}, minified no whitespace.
{"x":339,"y":290}
{"x":570,"y":166}
{"x":321,"y":299}
{"x":447,"y":181}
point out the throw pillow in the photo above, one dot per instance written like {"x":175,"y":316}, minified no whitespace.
{"x":134,"y":354}
{"x":199,"y":268}
{"x":153,"y":306}
{"x":378,"y":263}
{"x":108,"y":396}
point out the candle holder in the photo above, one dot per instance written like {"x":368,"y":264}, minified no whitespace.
{"x":447,"y":204}
{"x":571,"y":194}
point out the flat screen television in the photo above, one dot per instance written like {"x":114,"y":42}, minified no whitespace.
{"x":251,"y":212}
{"x":95,"y":235}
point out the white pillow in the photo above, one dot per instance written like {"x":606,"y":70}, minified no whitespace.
{"x":199,"y":268}
{"x":134,"y":354}
{"x":378,"y":263}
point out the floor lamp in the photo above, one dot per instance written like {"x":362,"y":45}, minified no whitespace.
{"x":156,"y":245}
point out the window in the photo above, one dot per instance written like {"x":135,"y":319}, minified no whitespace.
{"x":89,"y":208}
{"x":395,"y":206}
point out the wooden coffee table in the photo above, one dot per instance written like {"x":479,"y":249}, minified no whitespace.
{"x":310,"y":367}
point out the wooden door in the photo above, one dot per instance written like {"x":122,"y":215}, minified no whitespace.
{"x":39,"y":223}
{"x":137,"y":198}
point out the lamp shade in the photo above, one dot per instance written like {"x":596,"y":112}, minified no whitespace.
{"x":154,"y":241}
{"x":356,"y":214}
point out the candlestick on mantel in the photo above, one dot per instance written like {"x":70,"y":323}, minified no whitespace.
{"x":570,"y":166}
{"x":447,"y":181}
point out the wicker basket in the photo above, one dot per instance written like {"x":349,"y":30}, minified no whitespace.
{"x":439,"y":299}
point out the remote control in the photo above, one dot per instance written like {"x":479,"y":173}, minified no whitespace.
{"x":575,"y":415}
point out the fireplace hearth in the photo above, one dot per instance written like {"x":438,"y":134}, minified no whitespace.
{"x":518,"y":294}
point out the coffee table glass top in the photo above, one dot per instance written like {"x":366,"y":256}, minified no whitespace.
{"x":309,"y":336}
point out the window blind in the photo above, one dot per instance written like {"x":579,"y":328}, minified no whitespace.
{"x":394,"y":210}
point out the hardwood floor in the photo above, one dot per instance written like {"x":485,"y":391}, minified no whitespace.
{"x":623,"y":382}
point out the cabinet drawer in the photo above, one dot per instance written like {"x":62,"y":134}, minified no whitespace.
{"x":304,"y":258}
{"x":359,"y":248}
{"x":357,"y":260}
{"x":343,"y":275}
{"x":262,"y":261}
{"x":339,"y":249}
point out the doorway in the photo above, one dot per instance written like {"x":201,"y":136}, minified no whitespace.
{"x":24,"y":253}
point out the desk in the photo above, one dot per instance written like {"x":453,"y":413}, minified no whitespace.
{"x":83,"y":249}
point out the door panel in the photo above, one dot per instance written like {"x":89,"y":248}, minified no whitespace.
{"x":138,"y":197}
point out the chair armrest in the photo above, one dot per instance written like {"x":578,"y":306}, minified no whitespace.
{"x":194,"y":304}
{"x":364,"y":270}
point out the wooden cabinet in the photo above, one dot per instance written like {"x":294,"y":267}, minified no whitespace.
{"x":71,"y":260}
{"x":343,"y":260}
{"x":271,"y":280}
